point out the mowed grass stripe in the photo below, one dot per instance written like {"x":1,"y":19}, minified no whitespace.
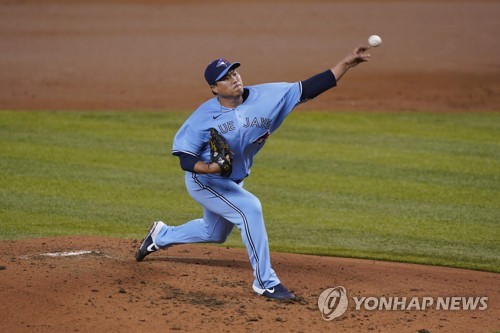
{"x":86,"y":168}
{"x":416,"y":187}
{"x":421,"y":188}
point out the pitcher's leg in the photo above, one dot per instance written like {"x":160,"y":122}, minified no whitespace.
{"x":212,"y":228}
{"x":254,"y":236}
{"x":229,"y":200}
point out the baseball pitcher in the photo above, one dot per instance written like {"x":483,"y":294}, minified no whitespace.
{"x":216,"y":146}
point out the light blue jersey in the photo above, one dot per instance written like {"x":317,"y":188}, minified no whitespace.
{"x":224,"y":200}
{"x":246,"y":128}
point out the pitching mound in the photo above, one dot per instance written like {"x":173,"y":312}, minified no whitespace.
{"x":95,"y":285}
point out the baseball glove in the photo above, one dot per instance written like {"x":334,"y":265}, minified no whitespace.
{"x":220,"y":153}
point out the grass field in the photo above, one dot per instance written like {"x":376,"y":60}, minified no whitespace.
{"x":411,"y":187}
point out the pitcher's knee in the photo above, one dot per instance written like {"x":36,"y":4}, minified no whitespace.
{"x":218,"y":239}
{"x":251,"y":214}
{"x":253,"y":207}
{"x":215,"y":237}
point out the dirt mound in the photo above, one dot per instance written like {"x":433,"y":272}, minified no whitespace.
{"x":77,"y":284}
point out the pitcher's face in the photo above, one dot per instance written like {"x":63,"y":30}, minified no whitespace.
{"x":230,"y":85}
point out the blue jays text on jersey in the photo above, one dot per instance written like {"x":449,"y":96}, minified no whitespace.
{"x":229,"y":126}
{"x":246,"y":127}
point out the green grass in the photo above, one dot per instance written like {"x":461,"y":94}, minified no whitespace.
{"x":411,"y":187}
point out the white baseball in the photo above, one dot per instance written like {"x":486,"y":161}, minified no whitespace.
{"x":374,"y":40}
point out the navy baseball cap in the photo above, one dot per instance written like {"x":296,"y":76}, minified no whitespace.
{"x":217,"y":69}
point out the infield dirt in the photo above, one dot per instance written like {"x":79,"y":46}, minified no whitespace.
{"x":150,"y":55}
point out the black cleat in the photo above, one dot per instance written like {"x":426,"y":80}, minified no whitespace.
{"x":277,"y":292}
{"x":148,"y":245}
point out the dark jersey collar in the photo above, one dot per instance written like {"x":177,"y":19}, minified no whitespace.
{"x":246,"y":93}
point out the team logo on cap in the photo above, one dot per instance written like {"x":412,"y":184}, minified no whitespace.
{"x":222,"y":62}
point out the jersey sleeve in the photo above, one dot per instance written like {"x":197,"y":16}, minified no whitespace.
{"x":291,"y":95}
{"x":188,"y":140}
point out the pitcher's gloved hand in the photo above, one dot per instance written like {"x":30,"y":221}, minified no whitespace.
{"x":220,"y":153}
